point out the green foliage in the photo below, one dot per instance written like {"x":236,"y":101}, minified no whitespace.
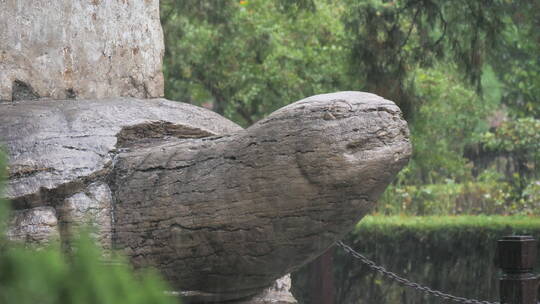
{"x":48,"y":276}
{"x":478,"y":197}
{"x":393,"y":226}
{"x":489,"y":193}
{"x":531,"y":197}
{"x":448,"y":116}
{"x":518,"y":136}
{"x":454,"y":254}
{"x":255,"y":61}
{"x":439,"y":179}
{"x":517,"y":62}
{"x":250,"y":57}
{"x":519,"y":141}
{"x":45,"y":276}
{"x":389,"y":39}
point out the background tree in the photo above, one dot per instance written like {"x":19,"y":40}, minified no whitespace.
{"x":249,"y":58}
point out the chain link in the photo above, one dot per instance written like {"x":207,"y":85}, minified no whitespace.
{"x":405,"y":282}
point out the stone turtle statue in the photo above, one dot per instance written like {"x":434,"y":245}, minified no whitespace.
{"x":220,"y":211}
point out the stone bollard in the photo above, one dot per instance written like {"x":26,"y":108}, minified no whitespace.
{"x":517,"y":257}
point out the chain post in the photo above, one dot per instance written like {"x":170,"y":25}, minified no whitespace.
{"x":517,"y":257}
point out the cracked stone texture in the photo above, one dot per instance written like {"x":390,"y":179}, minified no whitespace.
{"x":57,"y":147}
{"x":221,"y":211}
{"x":37,"y":225}
{"x":80,"y":49}
{"x":91,"y":208}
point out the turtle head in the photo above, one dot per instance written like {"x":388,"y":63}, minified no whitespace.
{"x":353,"y":141}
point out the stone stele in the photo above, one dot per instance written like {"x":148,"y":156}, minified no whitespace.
{"x":80,"y":49}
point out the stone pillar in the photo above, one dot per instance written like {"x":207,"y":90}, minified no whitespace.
{"x":80,"y":49}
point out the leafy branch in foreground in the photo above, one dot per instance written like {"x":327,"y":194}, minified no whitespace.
{"x":48,"y":275}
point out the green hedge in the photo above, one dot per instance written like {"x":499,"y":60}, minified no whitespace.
{"x":455,"y":254}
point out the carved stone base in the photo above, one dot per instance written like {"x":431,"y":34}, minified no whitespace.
{"x":278,"y":293}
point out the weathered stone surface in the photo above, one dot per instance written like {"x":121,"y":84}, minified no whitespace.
{"x":278,"y":293}
{"x":38,"y":225}
{"x":222,"y":212}
{"x":56,"y":148}
{"x":219,"y":213}
{"x":89,"y":209}
{"x":80,"y":49}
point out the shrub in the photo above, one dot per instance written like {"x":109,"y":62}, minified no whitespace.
{"x":48,"y":275}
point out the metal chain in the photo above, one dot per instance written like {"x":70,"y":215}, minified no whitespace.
{"x":408,"y":283}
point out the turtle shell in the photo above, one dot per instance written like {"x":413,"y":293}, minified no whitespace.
{"x":61,"y":151}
